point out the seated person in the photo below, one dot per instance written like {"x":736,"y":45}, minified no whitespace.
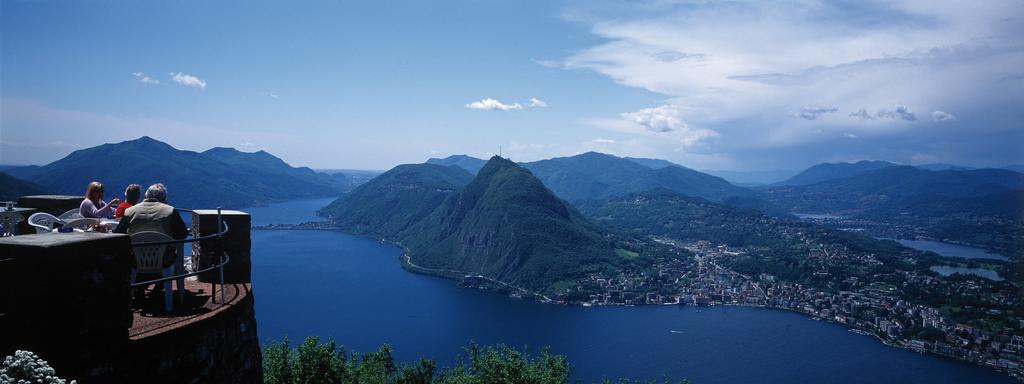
{"x":131,"y":196}
{"x":93,"y":205}
{"x":153,"y":214}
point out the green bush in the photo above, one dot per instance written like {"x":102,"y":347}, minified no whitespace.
{"x":315,"y":362}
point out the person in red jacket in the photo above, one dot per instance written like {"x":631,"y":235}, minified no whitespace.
{"x":131,"y":197}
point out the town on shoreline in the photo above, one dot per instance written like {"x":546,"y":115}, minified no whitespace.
{"x":873,"y":309}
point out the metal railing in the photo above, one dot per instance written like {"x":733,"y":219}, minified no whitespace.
{"x":224,"y":258}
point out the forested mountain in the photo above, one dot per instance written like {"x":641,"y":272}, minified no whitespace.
{"x":830,"y":171}
{"x":263,"y":162}
{"x":469,"y":163}
{"x":652,"y":163}
{"x":396,"y":199}
{"x":983,"y":207}
{"x":896,"y":188}
{"x":593,"y":175}
{"x":506,"y":225}
{"x":662,"y":212}
{"x":193,"y":180}
{"x":11,"y":188}
{"x":503,"y":224}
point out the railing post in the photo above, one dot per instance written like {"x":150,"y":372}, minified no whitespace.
{"x":236,"y":242}
{"x":222,"y":279}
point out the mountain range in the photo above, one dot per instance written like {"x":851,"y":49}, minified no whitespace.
{"x":503,"y":224}
{"x":221,"y":177}
{"x":892,"y":187}
{"x":831,"y":171}
{"x":594,"y":176}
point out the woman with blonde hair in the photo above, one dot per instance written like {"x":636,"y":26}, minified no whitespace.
{"x":93,"y":204}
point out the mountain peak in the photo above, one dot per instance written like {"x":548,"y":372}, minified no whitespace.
{"x":497,"y":163}
{"x":146,"y":142}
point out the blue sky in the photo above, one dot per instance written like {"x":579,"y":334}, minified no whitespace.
{"x":729,"y":85}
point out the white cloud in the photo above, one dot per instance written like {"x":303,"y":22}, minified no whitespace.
{"x":492,"y":104}
{"x":665,"y":118}
{"x":662,"y":127}
{"x":730,"y":67}
{"x":897,"y":112}
{"x":813,"y":113}
{"x":601,"y":140}
{"x":268,"y":94}
{"x":942,"y":116}
{"x":862,"y":114}
{"x":188,"y":80}
{"x":849,"y":135}
{"x":536,"y":103}
{"x":143,"y":78}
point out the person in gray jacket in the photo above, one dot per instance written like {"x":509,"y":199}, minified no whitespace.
{"x":153,"y":214}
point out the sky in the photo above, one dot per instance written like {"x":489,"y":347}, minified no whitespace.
{"x":742,"y":86}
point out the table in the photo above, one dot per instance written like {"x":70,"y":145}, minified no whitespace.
{"x":9,"y":219}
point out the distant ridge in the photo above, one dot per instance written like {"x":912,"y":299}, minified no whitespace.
{"x":469,"y":163}
{"x":11,"y":188}
{"x":221,"y":177}
{"x":263,"y":162}
{"x":594,"y":175}
{"x":830,"y":171}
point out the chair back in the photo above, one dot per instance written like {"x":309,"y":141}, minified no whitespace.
{"x":44,"y":222}
{"x":71,"y":215}
{"x":151,"y":258}
{"x":82,"y":224}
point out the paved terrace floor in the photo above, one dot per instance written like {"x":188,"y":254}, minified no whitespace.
{"x":149,"y":318}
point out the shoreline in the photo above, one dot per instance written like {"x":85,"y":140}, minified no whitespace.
{"x":461,"y":276}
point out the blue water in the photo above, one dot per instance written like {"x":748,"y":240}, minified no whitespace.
{"x":983,"y":272}
{"x":352,"y":289}
{"x":952,"y":250}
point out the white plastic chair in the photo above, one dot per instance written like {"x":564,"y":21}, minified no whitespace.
{"x":71,"y":215}
{"x":44,"y":222}
{"x":150,"y":259}
{"x":82,"y":224}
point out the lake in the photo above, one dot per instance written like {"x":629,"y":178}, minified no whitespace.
{"x":945,"y":270}
{"x":817,"y":216}
{"x":353,"y":289}
{"x":952,"y":250}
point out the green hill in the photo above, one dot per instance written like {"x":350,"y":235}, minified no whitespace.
{"x":396,"y":199}
{"x":508,"y":226}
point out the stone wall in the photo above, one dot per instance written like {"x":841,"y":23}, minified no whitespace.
{"x":65,"y":296}
{"x":52,"y":204}
{"x":220,"y":349}
{"x":236,"y":242}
